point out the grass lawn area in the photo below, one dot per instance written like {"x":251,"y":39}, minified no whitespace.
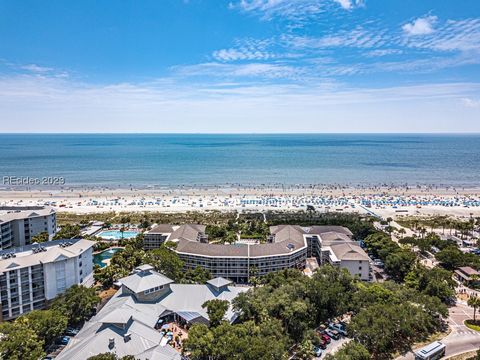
{"x":464,"y":356}
{"x":471,"y":325}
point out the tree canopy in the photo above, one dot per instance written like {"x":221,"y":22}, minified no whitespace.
{"x":216,"y":310}
{"x":47,"y":324}
{"x":77,"y":303}
{"x":350,"y":351}
{"x":20,"y":342}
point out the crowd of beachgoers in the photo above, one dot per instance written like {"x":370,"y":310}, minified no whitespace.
{"x":382,"y":199}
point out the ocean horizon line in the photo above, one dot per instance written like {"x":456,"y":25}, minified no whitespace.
{"x":240,"y":133}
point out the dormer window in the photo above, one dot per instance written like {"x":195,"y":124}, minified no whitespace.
{"x":156,"y":288}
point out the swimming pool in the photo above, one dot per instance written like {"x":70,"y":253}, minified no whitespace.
{"x":101,"y":258}
{"x":117,"y":234}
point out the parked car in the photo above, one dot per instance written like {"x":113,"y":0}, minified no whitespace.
{"x":379,"y":263}
{"x":341,"y":328}
{"x":325,"y":338}
{"x":71,"y":331}
{"x":334,"y":334}
{"x":64,"y":340}
{"x":323,"y":344}
{"x":317,"y":351}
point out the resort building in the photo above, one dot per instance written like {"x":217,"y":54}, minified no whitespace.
{"x":288,"y":246}
{"x":147,"y":302}
{"x":32,"y":275}
{"x":467,"y":276}
{"x":20,"y":223}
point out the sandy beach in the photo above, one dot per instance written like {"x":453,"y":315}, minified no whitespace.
{"x":379,"y":200}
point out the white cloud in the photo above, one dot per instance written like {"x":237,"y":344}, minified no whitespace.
{"x":63,"y":105}
{"x":246,"y":49}
{"x":241,"y":54}
{"x":36,"y":68}
{"x":243,"y":71}
{"x":296,"y":11}
{"x":350,"y":4}
{"x":293,"y":10}
{"x":346,"y":4}
{"x":354,"y":38}
{"x":420,"y":26}
{"x":471,"y":103}
{"x":453,"y":35}
{"x":383,"y":52}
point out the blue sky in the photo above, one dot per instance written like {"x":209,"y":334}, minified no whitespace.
{"x":240,"y":66}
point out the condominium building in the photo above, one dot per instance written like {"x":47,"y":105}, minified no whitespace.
{"x":32,"y":275}
{"x":19,"y":224}
{"x":288,"y":246}
{"x":131,"y":322}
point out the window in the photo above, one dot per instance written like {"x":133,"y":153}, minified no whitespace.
{"x":61,"y":276}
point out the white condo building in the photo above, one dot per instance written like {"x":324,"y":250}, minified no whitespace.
{"x":32,"y":275}
{"x":19,"y":224}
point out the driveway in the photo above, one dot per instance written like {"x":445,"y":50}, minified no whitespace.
{"x":461,"y":339}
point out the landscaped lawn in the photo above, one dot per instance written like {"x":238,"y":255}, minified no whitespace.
{"x":471,"y":325}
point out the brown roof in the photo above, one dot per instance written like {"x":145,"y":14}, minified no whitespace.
{"x":349,"y":251}
{"x":468,"y":270}
{"x":161,"y":229}
{"x":187,"y":231}
{"x":287,"y":239}
{"x":330,"y":228}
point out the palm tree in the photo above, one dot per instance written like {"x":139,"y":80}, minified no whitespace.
{"x":474,"y":302}
{"x":423,"y":231}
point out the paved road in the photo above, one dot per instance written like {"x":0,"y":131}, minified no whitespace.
{"x":461,"y":339}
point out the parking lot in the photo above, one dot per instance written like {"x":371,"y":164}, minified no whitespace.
{"x":333,"y":346}
{"x":332,"y":336}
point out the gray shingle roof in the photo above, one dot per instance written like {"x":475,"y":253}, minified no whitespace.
{"x":25,"y":256}
{"x":219,"y":282}
{"x":9,"y":213}
{"x":144,"y":280}
{"x":139,"y":319}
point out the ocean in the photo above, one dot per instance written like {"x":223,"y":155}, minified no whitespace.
{"x":125,"y":160}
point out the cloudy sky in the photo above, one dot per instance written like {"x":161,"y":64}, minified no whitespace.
{"x":240,"y":66}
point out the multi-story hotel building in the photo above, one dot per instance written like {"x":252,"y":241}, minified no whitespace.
{"x":34,"y":274}
{"x":19,"y":224}
{"x":288,"y":246}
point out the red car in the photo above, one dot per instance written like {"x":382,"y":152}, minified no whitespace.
{"x":323,"y":345}
{"x":326,"y":338}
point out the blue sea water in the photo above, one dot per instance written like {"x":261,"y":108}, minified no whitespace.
{"x":194,"y":160}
